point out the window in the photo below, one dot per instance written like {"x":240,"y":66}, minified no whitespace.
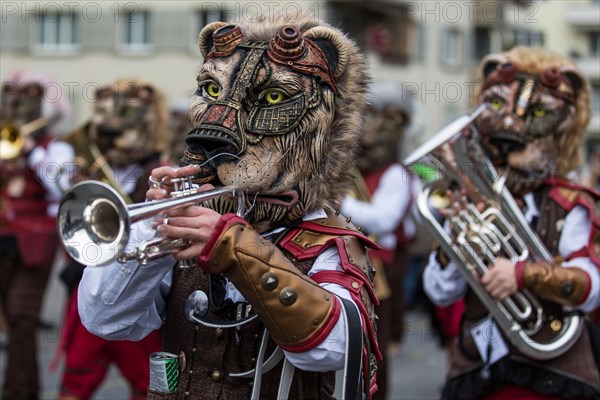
{"x":594,"y":43}
{"x":208,"y":15}
{"x":596,"y":98}
{"x":483,"y":42}
{"x":451,"y":48}
{"x":55,"y":33}
{"x":136,"y":32}
{"x":529,"y":38}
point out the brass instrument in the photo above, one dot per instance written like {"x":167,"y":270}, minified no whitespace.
{"x":94,"y":222}
{"x":12,"y":137}
{"x":501,"y":230}
{"x":89,"y":158}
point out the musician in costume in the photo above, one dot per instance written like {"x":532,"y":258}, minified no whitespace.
{"x":32,"y":161}
{"x":538,"y":108}
{"x":277,"y":114}
{"x":120,"y":145}
{"x":383,"y":210}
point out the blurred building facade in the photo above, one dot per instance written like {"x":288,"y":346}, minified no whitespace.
{"x":432,"y":47}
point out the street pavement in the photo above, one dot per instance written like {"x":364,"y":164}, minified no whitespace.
{"x":417,"y":371}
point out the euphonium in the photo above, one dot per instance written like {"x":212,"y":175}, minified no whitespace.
{"x":94,"y":221}
{"x":501,"y":230}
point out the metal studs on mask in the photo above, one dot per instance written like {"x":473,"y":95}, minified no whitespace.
{"x":287,"y":296}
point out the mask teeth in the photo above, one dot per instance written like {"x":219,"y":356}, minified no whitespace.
{"x":288,"y":44}
{"x":226,"y":39}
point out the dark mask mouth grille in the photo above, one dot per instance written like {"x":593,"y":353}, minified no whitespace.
{"x":507,"y":141}
{"x":209,"y":143}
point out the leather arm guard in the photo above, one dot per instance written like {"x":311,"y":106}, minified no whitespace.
{"x":566,"y":286}
{"x":298,"y":313}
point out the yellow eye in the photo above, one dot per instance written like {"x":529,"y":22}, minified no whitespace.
{"x":274,"y":96}
{"x":212,"y":89}
{"x":539,"y":112}
{"x":496,"y":104}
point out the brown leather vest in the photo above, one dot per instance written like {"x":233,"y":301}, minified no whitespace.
{"x":577,"y":364}
{"x":211,"y":354}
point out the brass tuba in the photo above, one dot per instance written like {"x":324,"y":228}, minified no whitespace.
{"x":480,"y":237}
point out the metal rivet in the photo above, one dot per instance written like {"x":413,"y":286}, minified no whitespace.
{"x":297,"y":239}
{"x":219,"y":333}
{"x":306,"y":245}
{"x":555,"y":325}
{"x":216,"y":375}
{"x":287,"y":296}
{"x":567,"y":289}
{"x":253,"y":360}
{"x":269,"y":281}
{"x":186,"y":394}
{"x":194,"y":350}
{"x":355,"y":285}
{"x":316,"y":322}
{"x":348,"y":219}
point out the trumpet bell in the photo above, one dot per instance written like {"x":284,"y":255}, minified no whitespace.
{"x":11,"y":142}
{"x":93,"y":223}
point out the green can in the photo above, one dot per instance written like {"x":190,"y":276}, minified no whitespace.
{"x":164,"y":372}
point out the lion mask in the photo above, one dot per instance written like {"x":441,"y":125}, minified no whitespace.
{"x":538,"y":110}
{"x":128,"y":122}
{"x":277,"y":113}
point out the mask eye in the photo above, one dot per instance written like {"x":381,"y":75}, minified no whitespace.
{"x":212,"y":89}
{"x":496,"y":104}
{"x":128,"y":112}
{"x":274,"y":96}
{"x":539,"y":112}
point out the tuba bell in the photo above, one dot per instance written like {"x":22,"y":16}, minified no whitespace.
{"x":501,"y":230}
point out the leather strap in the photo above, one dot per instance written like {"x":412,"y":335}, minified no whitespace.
{"x":354,"y":344}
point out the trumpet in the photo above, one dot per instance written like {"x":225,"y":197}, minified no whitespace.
{"x":501,"y":230}
{"x":94,"y":221}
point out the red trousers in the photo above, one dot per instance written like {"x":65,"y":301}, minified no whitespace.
{"x":88,"y":358}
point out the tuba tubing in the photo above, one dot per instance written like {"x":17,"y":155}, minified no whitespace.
{"x":94,"y":222}
{"x":456,"y":155}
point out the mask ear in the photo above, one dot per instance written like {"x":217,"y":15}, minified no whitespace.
{"x":490,"y":64}
{"x":205,"y":39}
{"x":334,"y":46}
{"x":574,"y":76}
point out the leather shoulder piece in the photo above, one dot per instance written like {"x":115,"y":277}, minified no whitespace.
{"x":567,"y":196}
{"x":311,"y":238}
